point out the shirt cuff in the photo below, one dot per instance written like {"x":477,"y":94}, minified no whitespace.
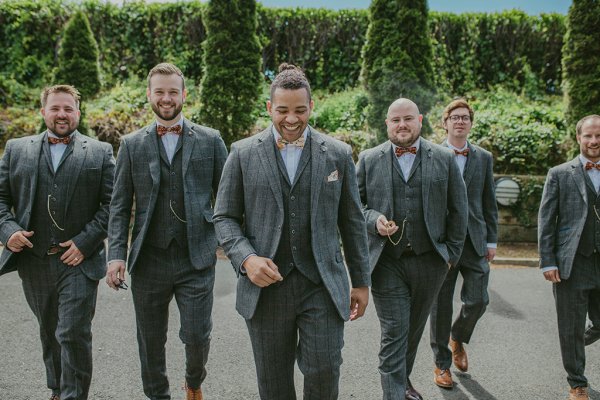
{"x":550,"y":268}
{"x":112,"y":261}
{"x":492,"y":245}
{"x":241,"y":268}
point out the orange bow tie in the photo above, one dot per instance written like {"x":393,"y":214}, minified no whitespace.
{"x":281,"y":142}
{"x":55,"y":140}
{"x":464,"y":152}
{"x":161,"y":130}
{"x":403,"y":150}
{"x":591,"y":165}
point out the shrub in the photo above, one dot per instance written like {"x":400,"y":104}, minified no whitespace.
{"x":230,"y":86}
{"x":580,"y":61}
{"x":396,"y":58}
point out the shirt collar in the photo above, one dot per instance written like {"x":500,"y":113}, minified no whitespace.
{"x":456,"y":148}
{"x":416,"y":143}
{"x":180,"y":123}
{"x":54,"y":135}
{"x":277,"y":136}
{"x":585,"y":160}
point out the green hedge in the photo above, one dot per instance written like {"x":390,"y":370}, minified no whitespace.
{"x":469,"y":50}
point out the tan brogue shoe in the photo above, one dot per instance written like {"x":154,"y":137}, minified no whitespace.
{"x":579,"y":393}
{"x":192,"y":394}
{"x":443,"y":378}
{"x":459,"y":356}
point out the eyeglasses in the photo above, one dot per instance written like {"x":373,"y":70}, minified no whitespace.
{"x":456,"y":118}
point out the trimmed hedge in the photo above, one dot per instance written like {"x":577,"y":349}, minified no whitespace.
{"x":469,"y":50}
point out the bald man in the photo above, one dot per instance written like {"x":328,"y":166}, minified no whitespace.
{"x":415,"y":204}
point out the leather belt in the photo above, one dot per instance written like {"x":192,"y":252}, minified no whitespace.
{"x":52,"y":250}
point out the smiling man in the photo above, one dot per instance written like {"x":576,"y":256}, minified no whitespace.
{"x":171,"y":169}
{"x":569,"y":245}
{"x":55,"y":191}
{"x":476,"y":167}
{"x":415,"y":205}
{"x":284,"y":196}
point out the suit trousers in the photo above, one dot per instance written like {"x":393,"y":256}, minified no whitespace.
{"x":403,"y":292}
{"x":161,"y":274}
{"x":572,"y":297}
{"x":296,"y":319}
{"x":475,"y":271}
{"x":63,"y":300}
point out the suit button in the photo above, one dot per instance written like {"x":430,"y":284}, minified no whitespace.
{"x":55,"y":186}
{"x":294,"y":248}
{"x":293,"y":215}
{"x":293,"y":198}
{"x":293,"y":231}
{"x":292,"y":265}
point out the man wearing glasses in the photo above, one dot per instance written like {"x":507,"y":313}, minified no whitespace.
{"x":415,"y":205}
{"x":55,"y":191}
{"x":475,"y":166}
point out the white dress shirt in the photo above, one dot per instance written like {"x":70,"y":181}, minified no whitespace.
{"x":593,"y":173}
{"x":57,"y":150}
{"x":170,"y":139}
{"x":407,"y":160}
{"x":461,"y":160}
{"x":290,"y":154}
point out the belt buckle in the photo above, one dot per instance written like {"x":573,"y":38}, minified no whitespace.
{"x":53,"y":250}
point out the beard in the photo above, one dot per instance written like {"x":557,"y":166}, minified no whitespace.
{"x":169,"y":115}
{"x":64,"y":131}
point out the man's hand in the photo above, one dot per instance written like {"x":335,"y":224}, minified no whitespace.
{"x":553,"y":276}
{"x":385,"y":227}
{"x":261,"y":271}
{"x":359,"y":298}
{"x":115,"y":274}
{"x":18,"y":240}
{"x":72,"y":257}
{"x":490,"y":254}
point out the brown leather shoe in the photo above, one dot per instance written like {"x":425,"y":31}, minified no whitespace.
{"x":459,"y":356}
{"x":579,"y":393}
{"x":192,"y":394}
{"x":443,"y":378}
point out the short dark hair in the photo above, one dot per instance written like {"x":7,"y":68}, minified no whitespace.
{"x":290,"y":77}
{"x":68,"y":89}
{"x":584,"y":120}
{"x":166,"y":69}
{"x":454,"y":104}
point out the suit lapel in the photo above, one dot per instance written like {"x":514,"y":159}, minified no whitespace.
{"x":189,"y":135}
{"x":471,"y":165}
{"x":579,"y":178}
{"x":32,"y":159}
{"x":78,"y":148}
{"x":318,"y":156}
{"x":426,"y":154}
{"x":386,"y":168}
{"x":268,"y":159}
{"x":152,"y":151}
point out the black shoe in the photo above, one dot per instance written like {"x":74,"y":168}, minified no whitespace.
{"x":592,"y":333}
{"x":411,"y":393}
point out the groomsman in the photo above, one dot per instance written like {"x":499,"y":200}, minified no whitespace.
{"x":476,"y":168}
{"x":415,"y":204}
{"x":285,"y":195}
{"x":171,"y":170}
{"x":55,"y":191}
{"x":569,"y":245}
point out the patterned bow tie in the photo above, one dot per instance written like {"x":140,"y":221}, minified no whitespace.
{"x":591,"y":165}
{"x":464,"y":152}
{"x":281,"y":142}
{"x":161,"y":130}
{"x":403,"y":150}
{"x":55,"y":140}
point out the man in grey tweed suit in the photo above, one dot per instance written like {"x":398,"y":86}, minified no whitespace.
{"x":284,"y":196}
{"x":415,"y":204}
{"x":569,"y":245}
{"x":55,"y":191}
{"x":172,"y":169}
{"x":475,"y":165}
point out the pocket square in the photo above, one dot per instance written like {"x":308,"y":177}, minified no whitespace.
{"x":333,"y":176}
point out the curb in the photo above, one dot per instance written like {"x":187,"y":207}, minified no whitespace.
{"x":526,"y":262}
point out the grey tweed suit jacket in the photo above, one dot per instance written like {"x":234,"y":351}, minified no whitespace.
{"x":445,"y":204}
{"x":249,"y":214}
{"x":137,"y":179}
{"x":562,"y":216}
{"x":481,"y":193}
{"x":86,"y":209}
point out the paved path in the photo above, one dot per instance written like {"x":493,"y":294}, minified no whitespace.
{"x":514,"y":354}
